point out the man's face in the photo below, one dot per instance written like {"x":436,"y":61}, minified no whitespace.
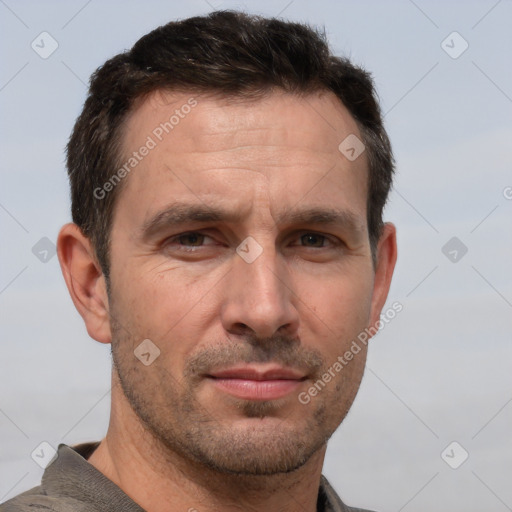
{"x":241,"y":333}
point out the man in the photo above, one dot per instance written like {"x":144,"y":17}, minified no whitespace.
{"x":228,"y":177}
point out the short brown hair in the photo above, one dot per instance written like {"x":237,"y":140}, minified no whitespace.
{"x":225,"y":52}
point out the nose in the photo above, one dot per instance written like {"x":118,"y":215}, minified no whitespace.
{"x":259,"y":298}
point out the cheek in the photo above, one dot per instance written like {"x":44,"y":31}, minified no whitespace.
{"x":342,"y":304}
{"x":165,"y":307}
{"x":147,"y":297}
{"x":336,"y":312}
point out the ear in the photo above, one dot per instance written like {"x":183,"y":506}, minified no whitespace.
{"x":85,"y":281}
{"x":385,"y":264}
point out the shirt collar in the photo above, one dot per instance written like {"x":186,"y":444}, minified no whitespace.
{"x":71,"y":476}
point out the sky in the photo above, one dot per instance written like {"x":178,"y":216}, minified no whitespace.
{"x":430,"y":427}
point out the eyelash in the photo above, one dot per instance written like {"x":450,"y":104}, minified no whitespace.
{"x":334,"y":242}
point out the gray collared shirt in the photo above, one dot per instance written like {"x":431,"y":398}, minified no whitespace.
{"x":71,"y":484}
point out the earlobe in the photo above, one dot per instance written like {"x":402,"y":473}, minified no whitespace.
{"x":85,"y":281}
{"x":386,"y":259}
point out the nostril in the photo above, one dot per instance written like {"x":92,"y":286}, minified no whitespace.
{"x":239,"y":329}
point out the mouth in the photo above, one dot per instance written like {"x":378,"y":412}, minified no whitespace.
{"x":257,"y":382}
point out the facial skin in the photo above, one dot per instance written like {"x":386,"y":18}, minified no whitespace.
{"x":272,"y":165}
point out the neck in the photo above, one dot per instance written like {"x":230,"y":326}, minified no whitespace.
{"x":160,"y":480}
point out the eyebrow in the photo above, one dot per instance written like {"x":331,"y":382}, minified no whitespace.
{"x":324,"y":216}
{"x":179,"y":213}
{"x":182,"y":213}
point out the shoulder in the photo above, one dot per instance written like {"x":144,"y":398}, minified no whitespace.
{"x":26,"y":501}
{"x":36,"y":499}
{"x":329,"y":501}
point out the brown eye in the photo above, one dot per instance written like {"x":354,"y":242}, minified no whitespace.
{"x":313,"y":240}
{"x":191,"y":239}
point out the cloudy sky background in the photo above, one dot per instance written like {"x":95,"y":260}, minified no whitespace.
{"x":438,"y":373}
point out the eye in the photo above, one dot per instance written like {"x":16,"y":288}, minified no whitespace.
{"x":315,"y":247}
{"x":192,"y":239}
{"x":189,"y":242}
{"x":313,"y":240}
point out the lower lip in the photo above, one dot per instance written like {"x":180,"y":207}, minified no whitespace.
{"x":257,"y":389}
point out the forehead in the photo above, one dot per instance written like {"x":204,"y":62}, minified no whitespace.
{"x":318,"y":121}
{"x":210,"y":147}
